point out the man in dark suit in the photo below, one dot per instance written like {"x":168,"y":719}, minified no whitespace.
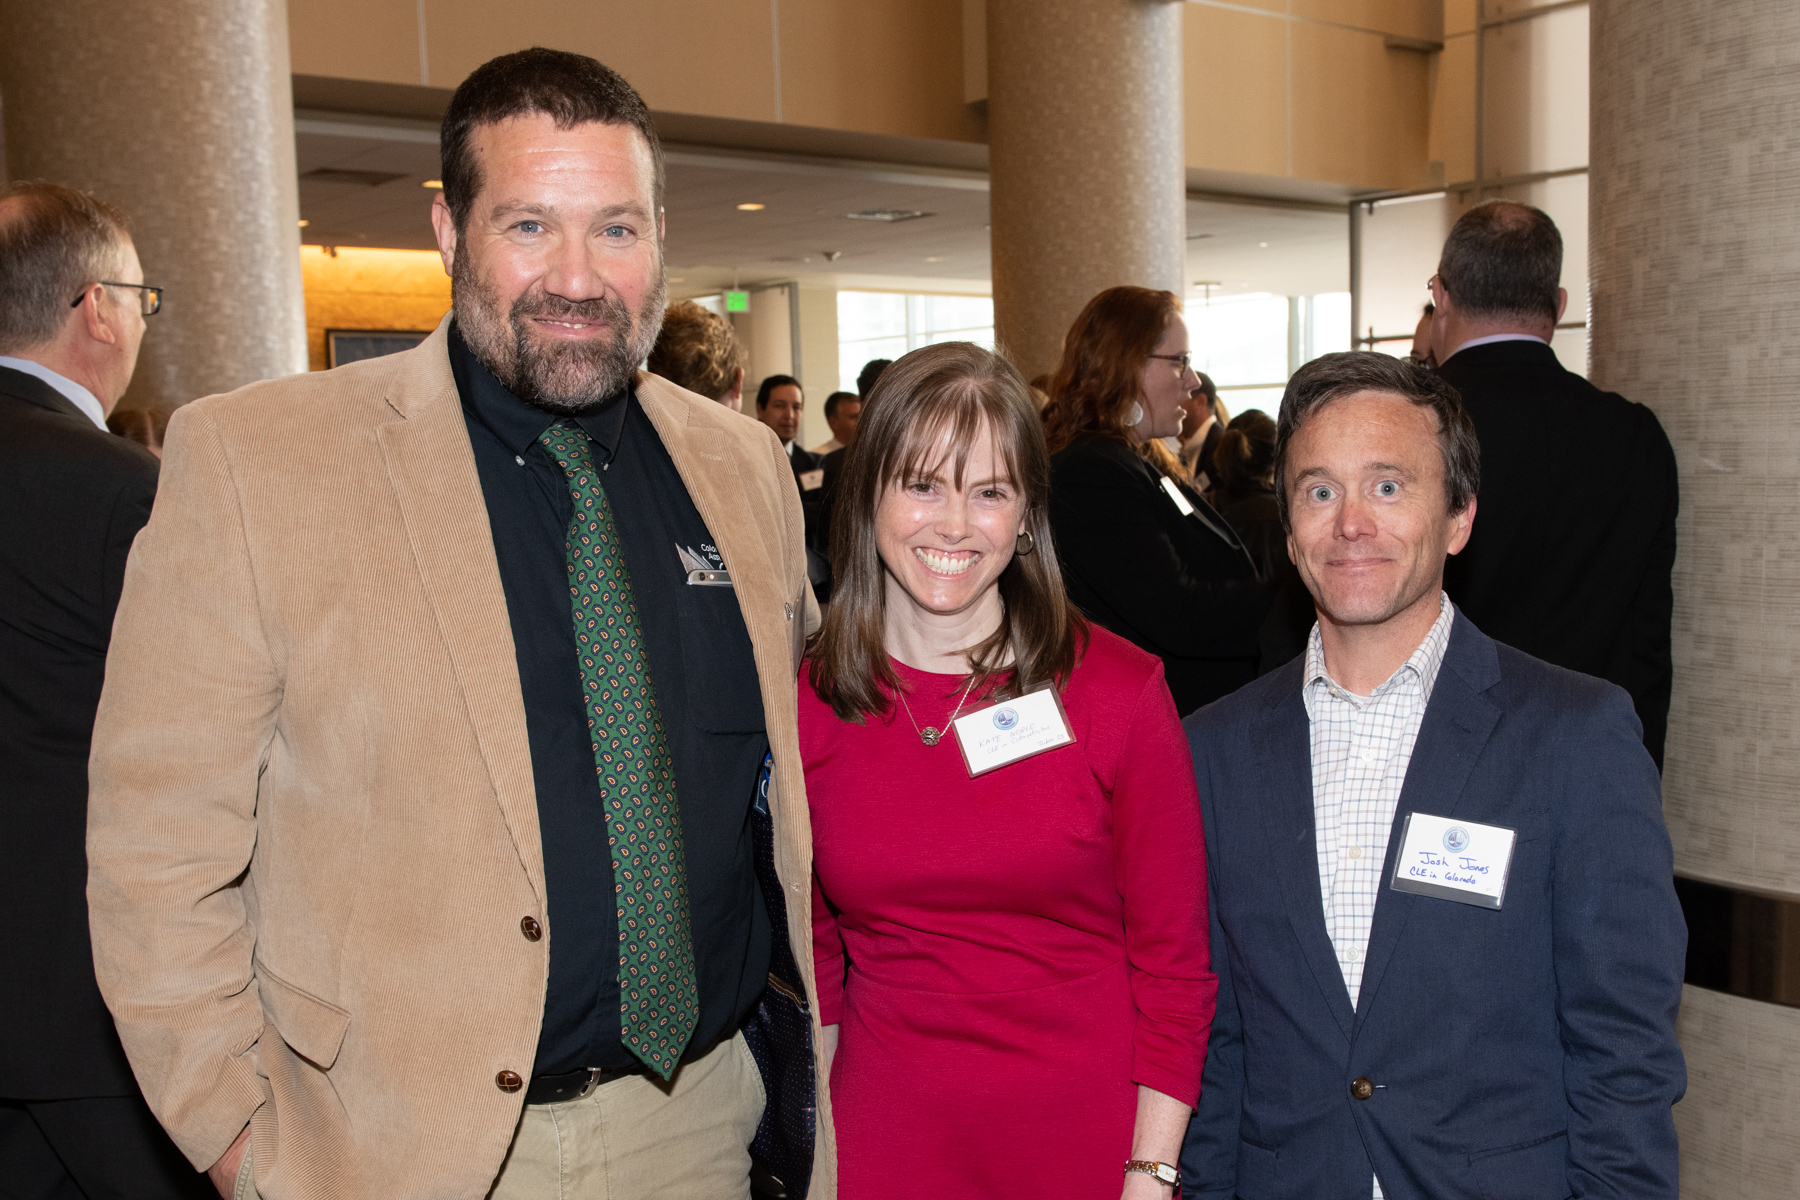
{"x":779,"y":402}
{"x":1443,"y":916}
{"x":1572,"y":559}
{"x":72,"y":498}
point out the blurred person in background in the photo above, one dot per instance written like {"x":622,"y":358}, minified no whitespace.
{"x":779,"y":404}
{"x":841,"y":409}
{"x":1421,"y":351}
{"x":698,"y":350}
{"x":72,"y":500}
{"x":1011,"y":952}
{"x":870,"y":373}
{"x":1243,"y":471}
{"x":145,"y":426}
{"x":1203,"y":426}
{"x":1143,"y":554}
{"x":1573,"y":558}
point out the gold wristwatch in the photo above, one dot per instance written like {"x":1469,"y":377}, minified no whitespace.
{"x":1163,"y":1172}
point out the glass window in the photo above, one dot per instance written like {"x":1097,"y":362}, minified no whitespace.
{"x":1240,"y":340}
{"x":888,"y":324}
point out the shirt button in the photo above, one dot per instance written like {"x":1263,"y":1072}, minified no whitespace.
{"x":1353,"y":955}
{"x":519,"y":458}
{"x":531,"y":929}
{"x":508,"y":1081}
{"x":1353,"y":852}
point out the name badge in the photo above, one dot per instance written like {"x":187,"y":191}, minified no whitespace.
{"x":1181,"y":501}
{"x":1455,"y":860}
{"x":812,"y":480}
{"x":1004,"y":733}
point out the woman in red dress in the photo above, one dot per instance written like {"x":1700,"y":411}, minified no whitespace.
{"x":1012,"y":959}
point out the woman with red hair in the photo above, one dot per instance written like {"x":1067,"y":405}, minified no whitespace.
{"x":1142,"y":553}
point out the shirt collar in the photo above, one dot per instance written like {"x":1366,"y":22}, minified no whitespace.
{"x":518,"y":425}
{"x":1491,"y":338}
{"x":1421,"y":667}
{"x":73,"y":392}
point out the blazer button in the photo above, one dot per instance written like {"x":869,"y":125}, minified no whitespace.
{"x":531,"y":929}
{"x":1361,"y":1088}
{"x":508,"y":1081}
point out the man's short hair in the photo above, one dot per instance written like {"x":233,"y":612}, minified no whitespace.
{"x":770,"y":384}
{"x":573,"y":89}
{"x":696,"y":350}
{"x":837,"y":398}
{"x":54,"y":242}
{"x":1503,"y":259}
{"x":1334,"y":376}
{"x":865,"y":379}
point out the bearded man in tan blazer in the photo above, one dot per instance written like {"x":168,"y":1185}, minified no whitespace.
{"x":446,"y":695}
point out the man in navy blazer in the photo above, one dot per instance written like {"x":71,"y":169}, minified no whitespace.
{"x":1446,"y":1042}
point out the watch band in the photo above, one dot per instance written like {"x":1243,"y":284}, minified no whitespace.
{"x":1161,"y":1171}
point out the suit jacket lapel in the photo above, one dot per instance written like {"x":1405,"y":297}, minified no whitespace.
{"x":1458,"y":722}
{"x":431,"y":468}
{"x":1283,"y":742}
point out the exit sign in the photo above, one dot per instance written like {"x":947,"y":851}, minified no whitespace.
{"x":737,"y":301}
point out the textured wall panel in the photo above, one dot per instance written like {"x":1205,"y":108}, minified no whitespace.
{"x":179,"y":112}
{"x":1085,"y":157}
{"x":1695,"y":254}
{"x":1739,"y":1140}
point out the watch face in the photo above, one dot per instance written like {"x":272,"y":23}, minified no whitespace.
{"x":1166,"y":1173}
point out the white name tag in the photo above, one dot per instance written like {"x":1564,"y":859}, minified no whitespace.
{"x":1453,"y":860}
{"x":1004,"y":733}
{"x":812,"y":480}
{"x":1181,"y":501}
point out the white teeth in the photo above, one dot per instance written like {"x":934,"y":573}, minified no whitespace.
{"x":944,"y":564}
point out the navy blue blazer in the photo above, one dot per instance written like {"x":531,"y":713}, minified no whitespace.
{"x":1521,"y":1054}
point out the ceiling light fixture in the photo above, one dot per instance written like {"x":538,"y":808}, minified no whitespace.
{"x":436,"y":185}
{"x":304,"y":222}
{"x":751,"y":207}
{"x":888,"y":214}
{"x":935,"y":258}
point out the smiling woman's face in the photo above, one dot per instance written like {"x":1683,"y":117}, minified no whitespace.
{"x":945,"y":546}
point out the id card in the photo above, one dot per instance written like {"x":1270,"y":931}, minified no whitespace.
{"x":1453,"y":860}
{"x":1004,"y":733}
{"x":1181,"y":501}
{"x":812,"y":480}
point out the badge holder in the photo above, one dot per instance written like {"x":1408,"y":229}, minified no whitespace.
{"x":1012,"y":731}
{"x":1446,"y":859}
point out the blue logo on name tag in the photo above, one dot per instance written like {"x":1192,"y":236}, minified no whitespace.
{"x":1005,"y":718}
{"x":1456,"y":839}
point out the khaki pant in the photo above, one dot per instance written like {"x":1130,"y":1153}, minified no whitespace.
{"x":633,"y":1138}
{"x":637,"y":1138}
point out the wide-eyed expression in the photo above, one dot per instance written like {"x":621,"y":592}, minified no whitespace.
{"x":1367,"y":507}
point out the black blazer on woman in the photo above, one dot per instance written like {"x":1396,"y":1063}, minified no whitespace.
{"x":1182,"y":587}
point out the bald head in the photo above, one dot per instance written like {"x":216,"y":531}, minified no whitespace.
{"x":1503,"y":259}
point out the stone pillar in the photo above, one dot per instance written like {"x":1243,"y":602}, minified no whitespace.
{"x":181,"y":113}
{"x":1086,"y":161}
{"x":1695,"y":257}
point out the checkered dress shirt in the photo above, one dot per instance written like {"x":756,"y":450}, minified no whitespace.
{"x":1361,"y":746}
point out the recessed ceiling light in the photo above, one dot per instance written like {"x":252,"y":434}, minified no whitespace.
{"x":436,"y":185}
{"x":887,"y":214}
{"x":750,"y":207}
{"x":304,"y":222}
{"x":935,"y":258}
{"x":676,"y":279}
{"x":1262,"y":245}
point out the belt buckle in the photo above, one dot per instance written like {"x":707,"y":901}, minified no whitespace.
{"x":593,"y":1081}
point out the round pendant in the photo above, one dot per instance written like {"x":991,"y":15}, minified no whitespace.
{"x":929,"y":736}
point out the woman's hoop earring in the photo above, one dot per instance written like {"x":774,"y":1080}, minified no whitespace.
{"x":1025,"y":544}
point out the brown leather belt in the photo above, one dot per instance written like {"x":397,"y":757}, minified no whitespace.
{"x":576,"y":1085}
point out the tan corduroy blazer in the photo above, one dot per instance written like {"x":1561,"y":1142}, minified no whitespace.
{"x":313,"y":833}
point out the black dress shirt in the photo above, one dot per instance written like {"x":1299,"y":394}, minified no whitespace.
{"x":706,"y":690}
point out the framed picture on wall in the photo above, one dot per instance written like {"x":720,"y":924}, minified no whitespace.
{"x":353,"y":345}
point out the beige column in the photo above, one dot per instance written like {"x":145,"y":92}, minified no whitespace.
{"x":1086,"y":161}
{"x":1695,"y":255}
{"x":180,"y":112}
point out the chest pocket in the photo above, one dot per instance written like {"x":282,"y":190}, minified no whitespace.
{"x":724,"y":694}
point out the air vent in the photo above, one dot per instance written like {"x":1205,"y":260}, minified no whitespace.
{"x":354,"y":178}
{"x":888,"y":214}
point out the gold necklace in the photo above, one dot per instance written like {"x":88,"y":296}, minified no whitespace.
{"x":931,"y":735}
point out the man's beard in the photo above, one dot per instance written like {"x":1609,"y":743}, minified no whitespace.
{"x":558,"y":376}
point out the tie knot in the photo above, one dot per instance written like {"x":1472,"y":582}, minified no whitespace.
{"x":569,"y":445}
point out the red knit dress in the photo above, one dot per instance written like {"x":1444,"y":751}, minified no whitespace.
{"x":1007,"y":957}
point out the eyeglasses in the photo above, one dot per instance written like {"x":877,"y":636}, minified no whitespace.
{"x":152,"y":297}
{"x":1183,"y":359}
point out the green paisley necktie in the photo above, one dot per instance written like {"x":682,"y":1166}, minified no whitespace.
{"x":659,"y":1000}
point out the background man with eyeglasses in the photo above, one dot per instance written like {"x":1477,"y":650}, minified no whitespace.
{"x":72,"y":498}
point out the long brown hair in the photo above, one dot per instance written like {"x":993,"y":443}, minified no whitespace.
{"x":953,"y":392}
{"x":1103,"y":359}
